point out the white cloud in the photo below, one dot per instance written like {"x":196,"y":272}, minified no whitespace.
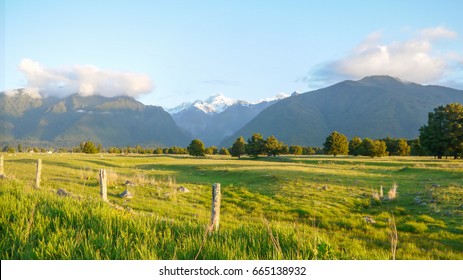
{"x":437,"y":33}
{"x":83,"y":79}
{"x":412,"y":60}
{"x":32,"y":92}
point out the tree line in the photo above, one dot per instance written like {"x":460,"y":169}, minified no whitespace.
{"x":441,"y":136}
{"x":338,"y":144}
{"x":255,"y":146}
{"x":335,"y":144}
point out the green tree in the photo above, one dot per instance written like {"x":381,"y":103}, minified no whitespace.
{"x":256,"y":145}
{"x":139,"y":149}
{"x":416,"y":149}
{"x":355,"y":146}
{"x":209,"y":151}
{"x":454,"y":114}
{"x":392,"y":146}
{"x":309,"y":151}
{"x":403,"y":149}
{"x":380,"y":148}
{"x":114,"y":150}
{"x":397,"y":147}
{"x":433,"y":137}
{"x":196,"y":148}
{"x":224,"y":151}
{"x":176,"y":150}
{"x":20,"y":148}
{"x":212,"y":150}
{"x":295,"y":150}
{"x":443,"y":135}
{"x":273,"y":147}
{"x":284,"y":149}
{"x":238,"y":148}
{"x":373,"y":148}
{"x":336,"y":144}
{"x":367,"y":148}
{"x":89,"y":148}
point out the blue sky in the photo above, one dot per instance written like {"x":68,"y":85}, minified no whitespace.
{"x":167,"y":52}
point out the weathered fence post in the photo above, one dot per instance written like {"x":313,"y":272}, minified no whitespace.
{"x":38,"y":174}
{"x":103,"y":186}
{"x":215,"y":213}
{"x":2,"y":174}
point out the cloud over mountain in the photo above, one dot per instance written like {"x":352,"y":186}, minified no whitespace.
{"x":413,"y":59}
{"x":83,"y":79}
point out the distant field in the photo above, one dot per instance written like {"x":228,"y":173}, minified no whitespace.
{"x":288,"y":207}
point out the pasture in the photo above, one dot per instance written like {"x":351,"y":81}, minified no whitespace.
{"x":287,"y":207}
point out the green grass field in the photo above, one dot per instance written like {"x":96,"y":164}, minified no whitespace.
{"x":289,"y":207}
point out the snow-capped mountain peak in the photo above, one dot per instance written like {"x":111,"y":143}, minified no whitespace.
{"x":179,"y":108}
{"x":217,"y":103}
{"x":220,"y":99}
{"x":279,"y":96}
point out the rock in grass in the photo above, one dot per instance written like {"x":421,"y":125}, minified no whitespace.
{"x":62,"y":192}
{"x":126,"y":194}
{"x":435,"y":185}
{"x":369,"y":220}
{"x":325,"y":188}
{"x":183,"y":189}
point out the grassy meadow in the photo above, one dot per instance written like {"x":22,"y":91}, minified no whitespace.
{"x":288,"y":207}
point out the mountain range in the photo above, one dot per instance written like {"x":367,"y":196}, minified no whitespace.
{"x":218,"y":117}
{"x":117,"y":121}
{"x":374,"y":107}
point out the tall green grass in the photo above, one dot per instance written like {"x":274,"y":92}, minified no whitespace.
{"x":283,"y":208}
{"x":38,"y":224}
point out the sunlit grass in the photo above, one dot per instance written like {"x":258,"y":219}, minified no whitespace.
{"x":307,"y":207}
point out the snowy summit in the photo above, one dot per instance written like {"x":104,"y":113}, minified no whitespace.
{"x":219,"y":102}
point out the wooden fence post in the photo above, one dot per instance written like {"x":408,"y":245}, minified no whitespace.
{"x":2,"y":174}
{"x":103,"y":186}
{"x":215,"y":213}
{"x":38,"y":174}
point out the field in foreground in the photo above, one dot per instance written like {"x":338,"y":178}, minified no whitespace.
{"x":272,"y":208}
